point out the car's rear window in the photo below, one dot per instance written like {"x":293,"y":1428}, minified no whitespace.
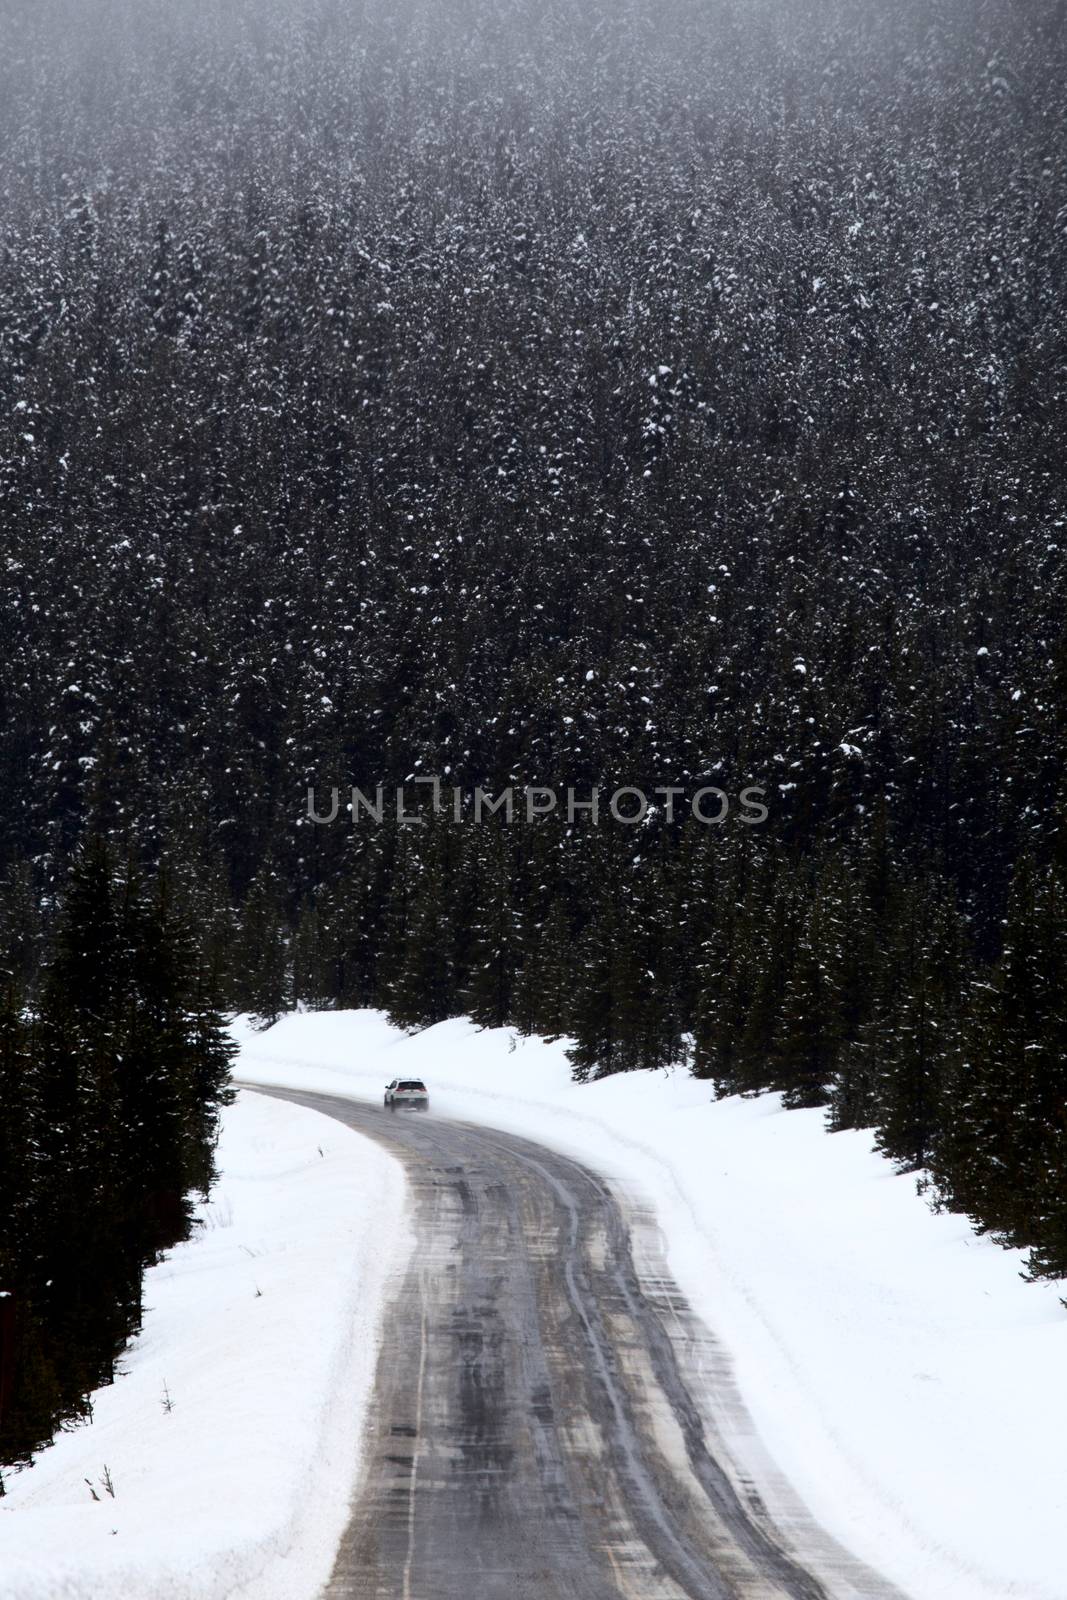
{"x":412,"y":1083}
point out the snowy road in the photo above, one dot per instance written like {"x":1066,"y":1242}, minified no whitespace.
{"x":537,"y":1427}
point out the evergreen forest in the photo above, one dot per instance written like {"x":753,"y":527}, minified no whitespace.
{"x":525,"y":393}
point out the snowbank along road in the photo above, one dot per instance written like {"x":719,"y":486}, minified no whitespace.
{"x":537,"y":1428}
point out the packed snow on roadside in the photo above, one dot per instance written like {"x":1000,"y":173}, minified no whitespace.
{"x":263,"y":1331}
{"x":902,"y":1377}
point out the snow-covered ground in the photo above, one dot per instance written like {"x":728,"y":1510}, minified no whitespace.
{"x":263,"y":1331}
{"x":904,"y":1379}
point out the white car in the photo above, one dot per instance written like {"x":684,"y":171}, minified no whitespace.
{"x":407,"y":1094}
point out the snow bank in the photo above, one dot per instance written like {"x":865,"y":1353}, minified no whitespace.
{"x":903,"y":1378}
{"x":263,"y":1330}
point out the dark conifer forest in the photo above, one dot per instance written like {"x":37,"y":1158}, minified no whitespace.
{"x":519,"y":393}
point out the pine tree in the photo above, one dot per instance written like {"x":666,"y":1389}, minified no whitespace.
{"x":112,"y":1091}
{"x":365,"y":920}
{"x":84,"y":1274}
{"x":592,"y":1017}
{"x":853,"y":1094}
{"x":772,"y":945}
{"x":495,"y":938}
{"x":726,"y":970}
{"x":315,"y":954}
{"x":920,"y":1039}
{"x":808,"y":1027}
{"x":1001,"y":1151}
{"x":544,"y":987}
{"x":262,"y":981}
{"x":422,"y":989}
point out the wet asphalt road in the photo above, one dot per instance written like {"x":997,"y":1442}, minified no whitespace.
{"x":542,"y":1425}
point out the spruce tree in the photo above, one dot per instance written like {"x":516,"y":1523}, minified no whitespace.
{"x":808,"y":1025}
{"x":422,"y":989}
{"x":262,"y":982}
{"x":919,"y":1040}
{"x":495,"y":937}
{"x":544,"y":990}
{"x":1001,"y":1152}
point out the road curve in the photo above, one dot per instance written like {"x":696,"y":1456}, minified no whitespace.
{"x":538,"y":1430}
